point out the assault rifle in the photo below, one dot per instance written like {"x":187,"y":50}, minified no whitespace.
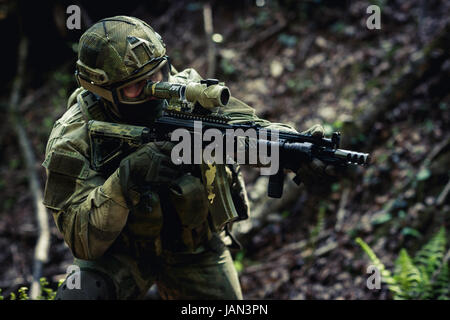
{"x":293,"y":147}
{"x":195,"y":108}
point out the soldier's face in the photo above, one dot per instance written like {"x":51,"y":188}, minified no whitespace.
{"x":135,"y":89}
{"x":141,"y":113}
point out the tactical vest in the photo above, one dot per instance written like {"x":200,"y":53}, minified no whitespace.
{"x":181,"y":217}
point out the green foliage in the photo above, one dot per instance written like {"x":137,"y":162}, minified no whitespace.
{"x":406,"y":231}
{"x":23,"y":293}
{"x":373,"y":83}
{"x":442,"y":283}
{"x":64,"y":81}
{"x":338,"y":125}
{"x":14,"y":163}
{"x":383,"y":218}
{"x":285,"y":214}
{"x":424,"y":277}
{"x":328,"y":129}
{"x":238,"y":261}
{"x":431,"y":255}
{"x":386,"y":275}
{"x":335,"y":187}
{"x":73,"y":46}
{"x":358,"y":139}
{"x":407,"y":276}
{"x":48,"y":123}
{"x":194,"y":6}
{"x":380,"y":3}
{"x":287,"y":40}
{"x":227,"y":67}
{"x":241,"y":261}
{"x":338,"y":27}
{"x":428,"y":126}
{"x":299,"y":85}
{"x":262,"y":17}
{"x":47,"y":293}
{"x":60,"y":282}
{"x":423,"y":174}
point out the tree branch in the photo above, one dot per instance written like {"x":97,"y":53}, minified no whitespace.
{"x":208,"y":25}
{"x":42,"y":245}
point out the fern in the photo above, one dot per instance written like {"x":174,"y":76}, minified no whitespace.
{"x":407,"y":276}
{"x":442,"y":287}
{"x":427,"y":276}
{"x":430,"y":258}
{"x":432,"y":254}
{"x":424,"y":287}
{"x":386,"y":275}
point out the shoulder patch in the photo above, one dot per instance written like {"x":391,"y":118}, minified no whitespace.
{"x":58,"y":190}
{"x":65,"y":164}
{"x":62,"y":172}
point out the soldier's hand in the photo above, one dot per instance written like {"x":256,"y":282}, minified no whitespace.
{"x":316,"y":175}
{"x":317,"y":131}
{"x":150,"y":164}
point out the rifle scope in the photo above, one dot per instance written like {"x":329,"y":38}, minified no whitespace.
{"x":208,"y":93}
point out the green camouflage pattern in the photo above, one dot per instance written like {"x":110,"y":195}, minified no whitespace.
{"x":114,"y":48}
{"x":207,"y":273}
{"x":102,"y":232}
{"x":208,"y":96}
{"x":106,"y":149}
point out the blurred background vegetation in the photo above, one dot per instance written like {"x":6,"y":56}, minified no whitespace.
{"x":298,"y":62}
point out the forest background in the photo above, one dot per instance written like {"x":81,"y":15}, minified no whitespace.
{"x":297,"y":62}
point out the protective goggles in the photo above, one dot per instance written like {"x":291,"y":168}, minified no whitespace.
{"x":116,"y":93}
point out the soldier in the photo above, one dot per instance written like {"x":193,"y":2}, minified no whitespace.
{"x":124,"y":233}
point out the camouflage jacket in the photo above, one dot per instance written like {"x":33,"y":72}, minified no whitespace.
{"x":89,"y":208}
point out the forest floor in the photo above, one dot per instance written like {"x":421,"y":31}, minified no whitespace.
{"x":314,"y":64}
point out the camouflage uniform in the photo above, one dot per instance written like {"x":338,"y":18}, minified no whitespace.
{"x":123,"y":245}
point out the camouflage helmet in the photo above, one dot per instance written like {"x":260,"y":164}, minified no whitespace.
{"x":117,"y":52}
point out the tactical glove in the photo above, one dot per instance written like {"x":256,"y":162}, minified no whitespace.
{"x":149,"y":165}
{"x":316,"y":175}
{"x":317,"y":131}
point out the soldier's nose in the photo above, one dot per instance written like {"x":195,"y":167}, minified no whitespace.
{"x":134,"y":90}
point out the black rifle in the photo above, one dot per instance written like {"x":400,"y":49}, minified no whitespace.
{"x":293,"y":147}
